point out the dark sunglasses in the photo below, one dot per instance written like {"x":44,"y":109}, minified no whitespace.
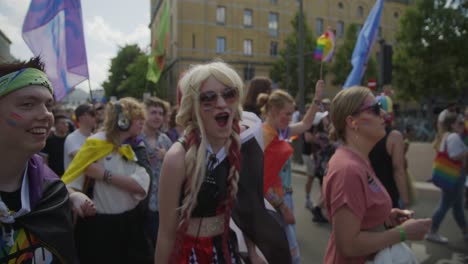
{"x":210,"y":98}
{"x":374,"y":108}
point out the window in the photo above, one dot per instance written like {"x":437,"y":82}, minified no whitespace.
{"x":220,"y":44}
{"x":249,"y":72}
{"x":273,"y":24}
{"x":248,"y":47}
{"x":247,"y":17}
{"x":396,"y":15}
{"x":319,"y":26}
{"x":193,"y":40}
{"x":340,"y":6}
{"x":220,"y":14}
{"x":379,"y":34}
{"x":273,"y":48}
{"x":360,"y":11}
{"x":340,"y":29}
{"x":273,"y":1}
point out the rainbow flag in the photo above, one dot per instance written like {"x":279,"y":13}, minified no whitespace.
{"x":325,"y":47}
{"x":445,"y":172}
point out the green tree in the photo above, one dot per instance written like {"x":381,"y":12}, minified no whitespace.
{"x":135,"y":84}
{"x":342,"y":66}
{"x":431,"y":54}
{"x":285,"y":69}
{"x":121,"y":70}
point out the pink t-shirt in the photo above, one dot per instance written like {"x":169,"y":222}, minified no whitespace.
{"x":351,"y":181}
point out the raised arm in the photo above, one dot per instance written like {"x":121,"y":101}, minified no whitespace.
{"x":306,"y":122}
{"x":170,"y":185}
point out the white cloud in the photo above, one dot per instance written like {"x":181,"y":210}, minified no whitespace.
{"x":98,"y":29}
{"x":104,"y":33}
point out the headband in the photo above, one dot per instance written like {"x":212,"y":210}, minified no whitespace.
{"x":23,"y":78}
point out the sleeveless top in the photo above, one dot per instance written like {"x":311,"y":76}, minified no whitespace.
{"x":383,"y":167}
{"x":213,"y":191}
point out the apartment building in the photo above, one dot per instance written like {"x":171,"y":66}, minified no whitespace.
{"x":248,"y":34}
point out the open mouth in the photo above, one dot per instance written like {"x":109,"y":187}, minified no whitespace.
{"x":222,"y":119}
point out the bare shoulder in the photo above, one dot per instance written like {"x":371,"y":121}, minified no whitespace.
{"x":175,"y":156}
{"x":395,"y":136}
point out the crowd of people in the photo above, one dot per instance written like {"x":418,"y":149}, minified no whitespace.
{"x":132,"y":181}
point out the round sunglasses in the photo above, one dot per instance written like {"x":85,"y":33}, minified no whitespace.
{"x":209,"y":99}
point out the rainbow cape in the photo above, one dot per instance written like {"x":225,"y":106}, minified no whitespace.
{"x":277,"y":152}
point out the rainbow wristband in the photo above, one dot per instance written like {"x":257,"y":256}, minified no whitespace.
{"x":402,"y":233}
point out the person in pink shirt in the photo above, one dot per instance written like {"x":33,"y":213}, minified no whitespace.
{"x":359,"y":206}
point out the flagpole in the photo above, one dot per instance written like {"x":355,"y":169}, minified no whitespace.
{"x":90,"y":91}
{"x":321,"y":68}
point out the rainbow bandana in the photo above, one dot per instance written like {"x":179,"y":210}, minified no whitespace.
{"x":23,"y":78}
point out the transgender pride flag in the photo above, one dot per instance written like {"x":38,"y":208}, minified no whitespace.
{"x":53,"y":29}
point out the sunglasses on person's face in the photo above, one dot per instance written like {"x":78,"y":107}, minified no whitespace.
{"x":209,"y":99}
{"x":374,"y":108}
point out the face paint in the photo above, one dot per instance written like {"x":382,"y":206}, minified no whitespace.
{"x":15,"y":116}
{"x":10,"y":122}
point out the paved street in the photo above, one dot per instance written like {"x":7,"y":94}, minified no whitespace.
{"x":313,"y":238}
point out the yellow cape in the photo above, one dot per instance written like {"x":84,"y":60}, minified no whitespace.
{"x":93,"y":149}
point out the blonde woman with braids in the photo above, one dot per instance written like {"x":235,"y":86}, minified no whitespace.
{"x":277,"y":131}
{"x":200,"y":174}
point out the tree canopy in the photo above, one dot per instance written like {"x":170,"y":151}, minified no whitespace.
{"x":127,"y":73}
{"x":285,"y":69}
{"x":431,"y":51}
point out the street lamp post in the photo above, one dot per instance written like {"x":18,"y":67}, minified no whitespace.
{"x":301,"y":58}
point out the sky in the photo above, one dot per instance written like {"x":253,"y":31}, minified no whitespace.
{"x":108,"y":25}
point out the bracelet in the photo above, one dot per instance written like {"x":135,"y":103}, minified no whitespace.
{"x":402,"y":233}
{"x":107,"y":177}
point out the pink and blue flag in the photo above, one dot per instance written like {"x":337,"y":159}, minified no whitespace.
{"x":364,"y":43}
{"x":53,"y":29}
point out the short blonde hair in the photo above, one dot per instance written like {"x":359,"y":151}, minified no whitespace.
{"x":277,"y":100}
{"x":346,"y":103}
{"x":131,"y":109}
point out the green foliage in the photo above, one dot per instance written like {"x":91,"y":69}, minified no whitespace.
{"x":285,"y":68}
{"x":341,"y":66}
{"x":430,"y":58}
{"x":135,"y":84}
{"x":124,"y":75}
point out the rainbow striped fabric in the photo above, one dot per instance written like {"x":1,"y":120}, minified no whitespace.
{"x":445,"y":171}
{"x":325,"y":46}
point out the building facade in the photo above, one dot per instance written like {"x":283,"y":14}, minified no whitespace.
{"x":5,"y":55}
{"x":248,"y":34}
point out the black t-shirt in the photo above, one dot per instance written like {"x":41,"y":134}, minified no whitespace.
{"x":309,"y":147}
{"x":54,"y":150}
{"x":12,"y":199}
